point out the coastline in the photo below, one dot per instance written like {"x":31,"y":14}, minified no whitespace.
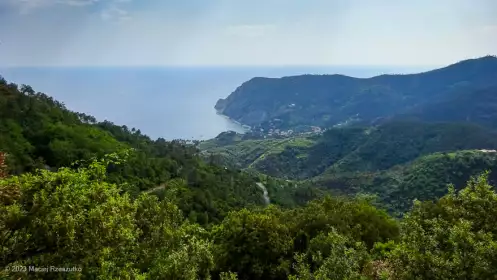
{"x":245,"y":127}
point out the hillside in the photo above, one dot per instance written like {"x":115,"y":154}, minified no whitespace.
{"x":425,"y":178}
{"x":327,"y":100}
{"x":349,"y":149}
{"x":37,"y":131}
{"x":249,"y":153}
{"x":82,"y":199}
{"x":396,"y":161}
{"x":478,"y":106}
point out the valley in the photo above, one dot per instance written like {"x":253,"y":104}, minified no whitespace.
{"x":375,"y":160}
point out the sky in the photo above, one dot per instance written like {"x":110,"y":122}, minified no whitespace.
{"x":245,"y":32}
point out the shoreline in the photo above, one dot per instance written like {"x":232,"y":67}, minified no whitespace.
{"x":245,"y":127}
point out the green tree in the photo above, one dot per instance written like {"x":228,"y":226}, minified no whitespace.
{"x":357,"y":219}
{"x":69,"y":218}
{"x":453,"y":238}
{"x":331,"y":256}
{"x":74,"y":218}
{"x":255,"y":245}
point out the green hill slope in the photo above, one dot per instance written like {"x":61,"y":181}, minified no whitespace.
{"x":352,"y":149}
{"x":326,"y":100}
{"x":425,"y":178}
{"x":397,"y":161}
{"x":37,"y":131}
{"x":478,"y":106}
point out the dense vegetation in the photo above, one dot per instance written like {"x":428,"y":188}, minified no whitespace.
{"x":478,"y":106}
{"x":75,"y":219}
{"x":426,"y":178}
{"x":326,"y":100}
{"x":398,"y":160}
{"x":39,"y":132}
{"x":350,"y":149}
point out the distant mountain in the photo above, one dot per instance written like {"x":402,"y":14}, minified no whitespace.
{"x":326,"y":100}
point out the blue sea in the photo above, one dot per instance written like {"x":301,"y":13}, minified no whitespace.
{"x":172,"y":103}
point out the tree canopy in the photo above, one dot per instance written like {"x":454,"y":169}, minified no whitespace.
{"x":75,"y":219}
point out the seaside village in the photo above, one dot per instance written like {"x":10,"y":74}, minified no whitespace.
{"x":261,"y":133}
{"x":290,"y":132}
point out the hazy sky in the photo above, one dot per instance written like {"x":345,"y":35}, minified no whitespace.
{"x":245,"y":32}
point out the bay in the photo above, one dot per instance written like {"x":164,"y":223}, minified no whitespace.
{"x":167,"y":102}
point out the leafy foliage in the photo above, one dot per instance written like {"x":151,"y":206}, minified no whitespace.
{"x":73,"y":218}
{"x":262,"y":244}
{"x":333,"y":256}
{"x":255,"y":245}
{"x":37,"y":131}
{"x":76,"y":218}
{"x":453,"y":238}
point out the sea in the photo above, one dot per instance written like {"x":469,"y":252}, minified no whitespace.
{"x":166,"y":102}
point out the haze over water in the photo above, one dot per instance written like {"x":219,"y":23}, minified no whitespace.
{"x":172,"y":103}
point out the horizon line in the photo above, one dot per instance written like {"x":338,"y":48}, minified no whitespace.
{"x":225,"y":66}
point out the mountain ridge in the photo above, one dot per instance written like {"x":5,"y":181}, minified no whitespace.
{"x":326,"y":100}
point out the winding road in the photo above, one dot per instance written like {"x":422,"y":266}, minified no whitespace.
{"x":265,"y":194}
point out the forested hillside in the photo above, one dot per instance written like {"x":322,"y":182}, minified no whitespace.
{"x":350,"y":149}
{"x":37,"y":131}
{"x":419,"y":158}
{"x":82,"y":199}
{"x":478,"y":106}
{"x":426,"y":178}
{"x":327,"y":100}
